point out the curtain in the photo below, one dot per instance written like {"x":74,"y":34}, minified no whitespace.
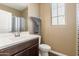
{"x":18,"y":24}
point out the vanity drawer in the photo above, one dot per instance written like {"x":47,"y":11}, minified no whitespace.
{"x":13,"y":50}
{"x":31,"y":51}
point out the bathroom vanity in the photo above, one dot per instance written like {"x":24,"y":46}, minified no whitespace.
{"x":21,"y":47}
{"x":14,"y":38}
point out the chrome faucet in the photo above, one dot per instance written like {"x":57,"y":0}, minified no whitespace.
{"x":17,"y":34}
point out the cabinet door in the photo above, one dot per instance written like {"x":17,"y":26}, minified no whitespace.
{"x":31,"y":51}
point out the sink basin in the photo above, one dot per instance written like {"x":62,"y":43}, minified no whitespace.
{"x":7,"y":40}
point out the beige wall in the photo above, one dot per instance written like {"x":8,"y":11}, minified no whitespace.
{"x":60,"y":38}
{"x":25,"y":15}
{"x":13,"y":11}
{"x":33,"y":11}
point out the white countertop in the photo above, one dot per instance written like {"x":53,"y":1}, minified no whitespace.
{"x":9,"y":39}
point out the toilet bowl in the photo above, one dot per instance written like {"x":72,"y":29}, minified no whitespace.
{"x":44,"y":49}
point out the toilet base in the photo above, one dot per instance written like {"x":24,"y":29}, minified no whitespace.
{"x":44,"y":49}
{"x":43,"y":54}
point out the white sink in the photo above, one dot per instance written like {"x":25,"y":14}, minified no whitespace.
{"x":9,"y":39}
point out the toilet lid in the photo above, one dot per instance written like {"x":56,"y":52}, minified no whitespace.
{"x":44,"y":46}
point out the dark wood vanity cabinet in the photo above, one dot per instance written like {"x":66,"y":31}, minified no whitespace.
{"x":31,"y":51}
{"x":29,"y":48}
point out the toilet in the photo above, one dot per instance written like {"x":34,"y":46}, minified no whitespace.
{"x":36,"y":27}
{"x":44,"y":49}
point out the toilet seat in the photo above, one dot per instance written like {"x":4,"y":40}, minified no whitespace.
{"x":44,"y":47}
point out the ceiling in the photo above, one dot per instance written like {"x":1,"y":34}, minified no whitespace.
{"x":18,"y":6}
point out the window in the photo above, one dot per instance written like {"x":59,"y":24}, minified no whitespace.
{"x":77,"y":13}
{"x":58,"y":14}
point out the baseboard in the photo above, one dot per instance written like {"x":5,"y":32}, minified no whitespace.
{"x":57,"y":53}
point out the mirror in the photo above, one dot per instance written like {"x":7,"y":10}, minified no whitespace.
{"x":12,"y":20}
{"x":5,"y":21}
